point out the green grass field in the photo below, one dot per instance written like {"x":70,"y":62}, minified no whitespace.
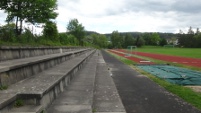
{"x":185,"y":52}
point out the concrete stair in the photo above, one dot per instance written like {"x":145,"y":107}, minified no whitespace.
{"x":78,"y":96}
{"x":92,"y":91}
{"x":38,"y":90}
{"x":80,"y":83}
{"x":28,"y":109}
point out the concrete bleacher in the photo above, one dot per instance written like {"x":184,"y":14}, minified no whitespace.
{"x":50,"y":83}
{"x":13,"y":71}
{"x":92,"y":91}
{"x":10,"y":53}
{"x":78,"y":96}
{"x":38,"y":89}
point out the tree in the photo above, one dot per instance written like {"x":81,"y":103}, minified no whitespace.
{"x":7,"y":32}
{"x":147,"y":38}
{"x":33,"y":11}
{"x":197,"y":31}
{"x":103,"y":41}
{"x":99,"y":40}
{"x":155,"y":38}
{"x":140,"y":41}
{"x":163,"y":42}
{"x":76,"y":29}
{"x":116,"y":39}
{"x":50,"y":31}
{"x":198,"y":40}
{"x":128,"y":40}
{"x":190,"y":31}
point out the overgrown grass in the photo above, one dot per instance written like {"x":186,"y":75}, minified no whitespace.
{"x":187,"y":94}
{"x":185,"y":52}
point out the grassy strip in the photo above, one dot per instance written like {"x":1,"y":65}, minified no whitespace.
{"x":187,"y":94}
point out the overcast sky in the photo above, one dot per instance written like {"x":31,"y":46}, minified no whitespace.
{"x":105,"y":16}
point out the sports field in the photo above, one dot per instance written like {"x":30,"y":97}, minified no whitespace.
{"x":177,"y":59}
{"x":185,"y":52}
{"x":171,"y":74}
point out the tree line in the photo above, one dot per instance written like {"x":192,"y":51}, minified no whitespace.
{"x":190,"y":39}
{"x":75,"y":35}
{"x":42,"y":12}
{"x":123,"y":40}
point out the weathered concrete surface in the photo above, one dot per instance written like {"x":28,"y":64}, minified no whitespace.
{"x":106,"y":97}
{"x":101,"y":95}
{"x":78,"y":96}
{"x":141,"y":95}
{"x":71,"y":109}
{"x":43,"y":88}
{"x":10,"y":53}
{"x":15,"y":70}
{"x":27,"y":109}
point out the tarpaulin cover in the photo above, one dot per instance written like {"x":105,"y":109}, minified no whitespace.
{"x":172,"y":74}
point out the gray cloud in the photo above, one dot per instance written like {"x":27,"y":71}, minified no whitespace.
{"x":130,"y":15}
{"x":187,"y":6}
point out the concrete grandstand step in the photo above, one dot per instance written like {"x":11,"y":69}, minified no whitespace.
{"x":110,"y":112}
{"x":106,"y":97}
{"x":13,"y":71}
{"x":44,"y":87}
{"x":78,"y":96}
{"x":16,"y":52}
{"x":27,"y":109}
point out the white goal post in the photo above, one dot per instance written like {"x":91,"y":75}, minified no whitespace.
{"x":130,"y":50}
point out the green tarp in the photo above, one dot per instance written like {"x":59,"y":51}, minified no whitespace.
{"x":172,"y":74}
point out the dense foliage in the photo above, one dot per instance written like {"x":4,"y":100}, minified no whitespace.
{"x":32,"y":11}
{"x":76,"y":29}
{"x":190,"y":40}
{"x":121,"y":40}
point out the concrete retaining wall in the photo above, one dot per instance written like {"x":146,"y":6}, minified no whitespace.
{"x":9,"y":53}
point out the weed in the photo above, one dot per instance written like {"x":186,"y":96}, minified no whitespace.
{"x":43,"y":111}
{"x":3,"y":87}
{"x":94,"y":110}
{"x":19,"y":103}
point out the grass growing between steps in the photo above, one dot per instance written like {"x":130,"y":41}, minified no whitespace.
{"x":3,"y":87}
{"x":187,"y":94}
{"x":19,"y":103}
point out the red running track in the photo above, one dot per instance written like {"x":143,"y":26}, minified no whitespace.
{"x":174,"y":59}
{"x":137,"y":60}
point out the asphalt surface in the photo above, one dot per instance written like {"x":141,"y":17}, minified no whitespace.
{"x":141,"y":95}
